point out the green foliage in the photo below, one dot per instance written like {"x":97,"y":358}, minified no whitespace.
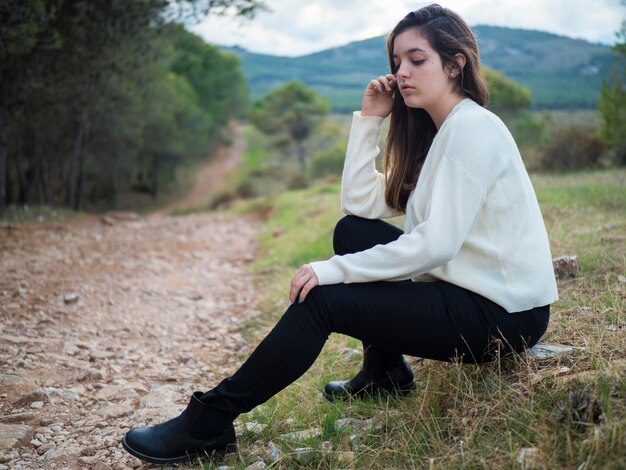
{"x":506,"y":95}
{"x":291,"y":109}
{"x":328,"y":163}
{"x":612,"y":105}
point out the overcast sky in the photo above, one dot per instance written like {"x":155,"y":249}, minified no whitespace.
{"x":297,"y":27}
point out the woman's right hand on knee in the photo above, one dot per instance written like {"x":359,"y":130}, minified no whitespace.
{"x":302,"y":283}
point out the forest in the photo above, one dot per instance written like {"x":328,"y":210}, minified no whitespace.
{"x":98,"y":98}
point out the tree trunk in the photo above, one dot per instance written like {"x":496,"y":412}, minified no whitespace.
{"x":80,"y":179}
{"x":70,"y":196}
{"x":3,"y":144}
{"x":154,"y":187}
{"x":3,"y":165}
{"x":22,"y":182}
{"x":301,"y":154}
{"x":42,"y":175}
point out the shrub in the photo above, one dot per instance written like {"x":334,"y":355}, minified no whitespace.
{"x":298,"y":182}
{"x":329,"y":162}
{"x":572,"y":148}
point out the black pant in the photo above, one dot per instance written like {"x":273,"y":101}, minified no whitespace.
{"x":435,"y":320}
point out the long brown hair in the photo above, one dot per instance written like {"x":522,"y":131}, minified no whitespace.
{"x":411,"y":130}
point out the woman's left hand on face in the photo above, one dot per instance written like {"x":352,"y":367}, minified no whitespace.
{"x":302,"y":283}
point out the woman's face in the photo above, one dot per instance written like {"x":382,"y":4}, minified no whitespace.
{"x":422,"y":79}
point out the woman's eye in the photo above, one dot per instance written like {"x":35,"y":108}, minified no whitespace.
{"x":418,"y":62}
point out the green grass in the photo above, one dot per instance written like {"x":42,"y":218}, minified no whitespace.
{"x":463,"y":416}
{"x":37,"y":214}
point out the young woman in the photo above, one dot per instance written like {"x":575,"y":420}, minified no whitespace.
{"x":469,"y":278}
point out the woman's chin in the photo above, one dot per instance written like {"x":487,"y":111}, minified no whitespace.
{"x":411,"y":102}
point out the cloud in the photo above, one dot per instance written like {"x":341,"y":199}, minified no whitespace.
{"x":294,"y":27}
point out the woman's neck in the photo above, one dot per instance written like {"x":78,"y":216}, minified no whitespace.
{"x":443,"y":108}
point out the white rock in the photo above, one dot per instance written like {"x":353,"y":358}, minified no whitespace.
{"x":37,"y":405}
{"x":70,"y":299}
{"x":260,"y":465}
{"x":62,"y":393}
{"x":528,"y":458}
{"x":254,"y":427}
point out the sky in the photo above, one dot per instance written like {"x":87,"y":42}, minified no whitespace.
{"x":298,"y":27}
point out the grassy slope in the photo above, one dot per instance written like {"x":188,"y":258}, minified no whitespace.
{"x":464,"y":416}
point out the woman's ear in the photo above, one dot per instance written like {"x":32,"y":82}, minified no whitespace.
{"x":455,"y":68}
{"x":460,"y":60}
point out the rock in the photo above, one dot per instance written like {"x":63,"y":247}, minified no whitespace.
{"x":45,"y":448}
{"x":566,"y":267}
{"x":305,"y":454}
{"x":71,"y":299}
{"x":350,"y":355}
{"x":548,"y":350}
{"x":360,"y":426}
{"x":69,"y":448}
{"x":117,"y":393}
{"x":260,"y":465}
{"x":62,"y":394}
{"x":115,"y":411}
{"x":254,"y":427}
{"x":273,"y":452}
{"x":106,"y":220}
{"x":37,"y":405}
{"x":26,"y":417}
{"x":21,"y":387}
{"x":302,"y":435}
{"x":528,"y":458}
{"x":102,"y":466}
{"x":162,"y":397}
{"x":14,"y":435}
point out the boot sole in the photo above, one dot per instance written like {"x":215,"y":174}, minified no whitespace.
{"x":183,"y":458}
{"x":365,"y":393}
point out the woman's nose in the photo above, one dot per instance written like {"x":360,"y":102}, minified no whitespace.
{"x":402,"y":72}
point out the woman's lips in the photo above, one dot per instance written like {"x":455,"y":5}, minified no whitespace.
{"x":406,"y":87}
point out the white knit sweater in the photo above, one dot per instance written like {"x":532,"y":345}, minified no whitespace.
{"x":473,"y":219}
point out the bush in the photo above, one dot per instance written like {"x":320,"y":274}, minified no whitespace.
{"x":329,"y":162}
{"x":297,"y":182}
{"x":572,"y":148}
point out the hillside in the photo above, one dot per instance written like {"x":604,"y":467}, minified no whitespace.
{"x":561,"y":72}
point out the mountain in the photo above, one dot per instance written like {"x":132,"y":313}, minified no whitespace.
{"x":561,"y":72}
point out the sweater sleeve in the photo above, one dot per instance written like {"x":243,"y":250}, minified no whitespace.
{"x":362,"y":185}
{"x":455,"y":200}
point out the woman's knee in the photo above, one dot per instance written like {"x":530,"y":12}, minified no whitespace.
{"x":345,"y":230}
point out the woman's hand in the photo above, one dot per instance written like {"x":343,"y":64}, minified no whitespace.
{"x":304,"y":280}
{"x":378,"y":96}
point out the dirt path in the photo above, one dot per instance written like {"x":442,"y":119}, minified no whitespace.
{"x":111,"y":323}
{"x":212,"y":177}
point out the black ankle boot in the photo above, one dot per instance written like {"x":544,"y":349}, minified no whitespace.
{"x":398,"y":380}
{"x":181,"y":439}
